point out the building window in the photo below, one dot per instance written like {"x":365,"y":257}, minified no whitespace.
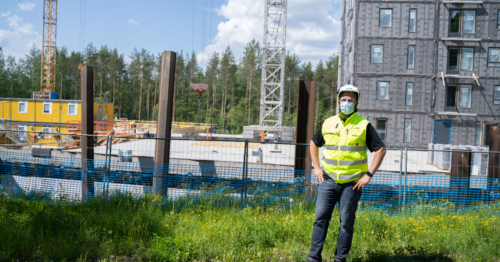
{"x":494,"y":57}
{"x":409,"y":94}
{"x":483,"y":133}
{"x":479,"y":133}
{"x":498,"y":20}
{"x":460,"y":59}
{"x":412,"y":26}
{"x":385,"y":17}
{"x":451,"y":96}
{"x":411,"y":57}
{"x":22,"y":128}
{"x":382,"y":90}
{"x":72,"y":109}
{"x":496,"y":95}
{"x":47,"y":107}
{"x":23,"y":107}
{"x":381,"y":127}
{"x":407,"y":135}
{"x":464,"y":96}
{"x":377,"y":54}
{"x":462,"y":22}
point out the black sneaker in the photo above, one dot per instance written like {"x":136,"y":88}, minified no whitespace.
{"x":339,"y":260}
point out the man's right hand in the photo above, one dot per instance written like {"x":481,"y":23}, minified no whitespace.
{"x":319,"y":175}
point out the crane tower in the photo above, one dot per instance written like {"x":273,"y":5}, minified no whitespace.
{"x":273,"y":64}
{"x":49,"y":47}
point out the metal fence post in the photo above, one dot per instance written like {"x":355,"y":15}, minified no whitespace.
{"x":106,"y":162}
{"x":244,"y":176}
{"x":404,"y":187}
{"x":400,"y":179}
{"x":110,"y":142}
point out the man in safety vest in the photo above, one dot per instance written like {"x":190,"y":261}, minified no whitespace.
{"x":344,"y":172}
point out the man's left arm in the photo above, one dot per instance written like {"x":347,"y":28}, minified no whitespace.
{"x":373,"y":141}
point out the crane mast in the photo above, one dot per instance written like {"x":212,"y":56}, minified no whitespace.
{"x":273,"y":64}
{"x":48,"y":75}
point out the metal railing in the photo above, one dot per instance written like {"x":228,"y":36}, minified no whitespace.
{"x":249,"y":173}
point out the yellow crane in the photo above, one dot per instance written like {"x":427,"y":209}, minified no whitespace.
{"x":48,"y":80}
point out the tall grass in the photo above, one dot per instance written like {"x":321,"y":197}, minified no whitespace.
{"x":154,"y":229}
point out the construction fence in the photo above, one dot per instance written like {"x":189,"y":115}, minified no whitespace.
{"x":236,"y":173}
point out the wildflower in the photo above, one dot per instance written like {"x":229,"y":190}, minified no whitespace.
{"x":110,"y":231}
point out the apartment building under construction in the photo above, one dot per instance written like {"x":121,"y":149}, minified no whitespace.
{"x":428,"y":71}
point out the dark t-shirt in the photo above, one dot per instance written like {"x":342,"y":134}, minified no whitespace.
{"x":373,"y":141}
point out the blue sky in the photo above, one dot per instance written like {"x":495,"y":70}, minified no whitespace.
{"x":312,"y":31}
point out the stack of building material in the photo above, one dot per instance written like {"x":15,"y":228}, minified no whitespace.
{"x":437,"y":154}
{"x":444,"y":161}
{"x":430,"y":154}
{"x":480,"y":161}
{"x":475,"y":161}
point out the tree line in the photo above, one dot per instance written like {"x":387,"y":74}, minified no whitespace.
{"x":231,"y":101}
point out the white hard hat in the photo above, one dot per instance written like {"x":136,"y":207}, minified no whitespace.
{"x":347,"y":88}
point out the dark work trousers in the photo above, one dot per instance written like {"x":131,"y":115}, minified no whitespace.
{"x":329,"y":193}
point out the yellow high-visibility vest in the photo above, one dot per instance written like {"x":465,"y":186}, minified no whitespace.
{"x":345,"y":157}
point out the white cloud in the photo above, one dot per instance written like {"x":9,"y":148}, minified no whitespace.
{"x":19,"y":38}
{"x":101,"y":23}
{"x":26,"y":7}
{"x":5,"y":14}
{"x":132,"y":22}
{"x":312,"y":32}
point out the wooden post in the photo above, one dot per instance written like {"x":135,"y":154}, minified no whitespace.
{"x":164,"y":124}
{"x":305,"y":127}
{"x":87,"y":127}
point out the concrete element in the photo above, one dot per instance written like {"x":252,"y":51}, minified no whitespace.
{"x":272,"y":90}
{"x":285,"y":133}
{"x":164,"y":126}
{"x":360,"y":30}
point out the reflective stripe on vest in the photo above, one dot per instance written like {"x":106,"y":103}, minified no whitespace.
{"x":345,"y":163}
{"x":348,"y":148}
{"x":346,"y":177}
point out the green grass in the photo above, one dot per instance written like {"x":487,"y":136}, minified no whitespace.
{"x":147,"y":229}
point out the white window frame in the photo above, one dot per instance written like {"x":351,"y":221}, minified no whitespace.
{"x":496,"y":95}
{"x":414,"y":11}
{"x":497,"y":53}
{"x":412,"y":58}
{"x":50,"y":108}
{"x":405,"y":135}
{"x":380,"y":17}
{"x":372,"y":51}
{"x":25,"y":107}
{"x":387,"y":91}
{"x":76,"y":109}
{"x":460,"y":93}
{"x":409,"y":95}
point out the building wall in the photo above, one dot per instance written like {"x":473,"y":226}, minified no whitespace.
{"x":431,"y":60}
{"x":35,"y":119}
{"x":59,"y":114}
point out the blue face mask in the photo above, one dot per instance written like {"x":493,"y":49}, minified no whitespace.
{"x":346,"y":107}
